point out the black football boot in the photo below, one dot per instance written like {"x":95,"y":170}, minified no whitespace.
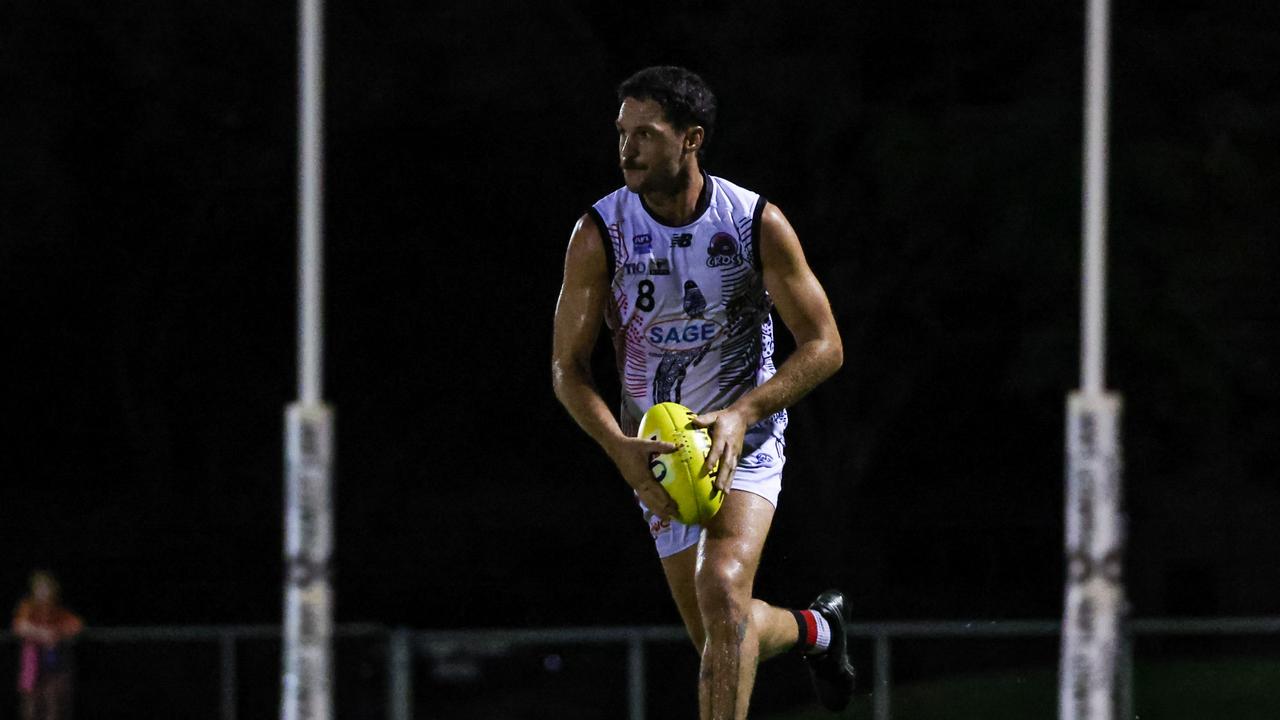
{"x":831,"y":672}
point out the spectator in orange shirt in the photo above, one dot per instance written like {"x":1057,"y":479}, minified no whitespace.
{"x":45,"y":673}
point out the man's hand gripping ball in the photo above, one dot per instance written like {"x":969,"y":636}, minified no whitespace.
{"x":685,"y":473}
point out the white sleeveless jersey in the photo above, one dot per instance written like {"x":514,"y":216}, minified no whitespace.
{"x":688,"y":309}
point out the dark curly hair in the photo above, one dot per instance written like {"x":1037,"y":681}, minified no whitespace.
{"x":685,"y":98}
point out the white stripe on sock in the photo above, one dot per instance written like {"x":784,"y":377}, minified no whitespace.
{"x":824,"y":635}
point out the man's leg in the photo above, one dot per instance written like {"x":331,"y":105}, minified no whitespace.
{"x":679,"y":569}
{"x":737,"y":631}
{"x":775,"y":636}
{"x":59,"y":697}
{"x":711,"y":583}
{"x":27,"y":705}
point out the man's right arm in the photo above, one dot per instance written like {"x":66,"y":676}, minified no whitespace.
{"x":579,"y":311}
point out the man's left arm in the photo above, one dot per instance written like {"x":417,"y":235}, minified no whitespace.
{"x":804,"y":309}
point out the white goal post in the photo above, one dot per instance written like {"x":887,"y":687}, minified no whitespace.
{"x":1091,"y":677}
{"x":306,"y":691}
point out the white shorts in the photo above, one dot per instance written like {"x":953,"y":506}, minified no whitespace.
{"x":759,"y":473}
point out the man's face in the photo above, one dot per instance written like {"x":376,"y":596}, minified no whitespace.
{"x":42,"y":589}
{"x":651,"y":151}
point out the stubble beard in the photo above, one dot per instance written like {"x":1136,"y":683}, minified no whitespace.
{"x":659,"y":182}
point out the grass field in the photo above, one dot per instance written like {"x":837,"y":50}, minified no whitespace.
{"x":1182,"y":690}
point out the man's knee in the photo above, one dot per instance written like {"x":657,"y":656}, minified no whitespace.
{"x":760,"y":612}
{"x":724,"y":591}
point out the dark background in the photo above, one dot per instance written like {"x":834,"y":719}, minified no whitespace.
{"x":928,"y":155}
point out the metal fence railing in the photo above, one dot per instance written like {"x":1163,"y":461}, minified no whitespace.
{"x":402,"y":645}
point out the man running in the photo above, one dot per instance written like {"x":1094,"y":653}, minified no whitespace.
{"x":684,"y":268}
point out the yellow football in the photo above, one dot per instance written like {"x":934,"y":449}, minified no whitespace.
{"x":684,"y":472}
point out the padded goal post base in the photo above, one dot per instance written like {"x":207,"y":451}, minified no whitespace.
{"x":308,"y":625}
{"x":1095,"y":607}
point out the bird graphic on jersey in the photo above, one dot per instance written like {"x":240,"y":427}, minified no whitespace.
{"x":674,"y":366}
{"x":694,"y":302}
